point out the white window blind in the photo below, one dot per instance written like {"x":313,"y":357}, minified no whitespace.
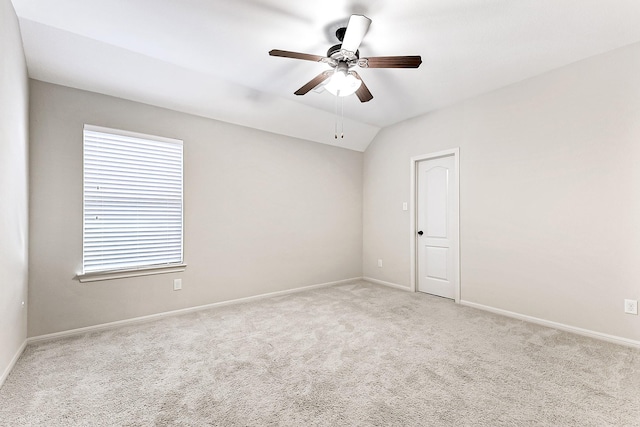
{"x":132,"y":201}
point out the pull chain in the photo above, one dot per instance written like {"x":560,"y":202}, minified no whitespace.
{"x":340,"y":117}
{"x":335,"y":129}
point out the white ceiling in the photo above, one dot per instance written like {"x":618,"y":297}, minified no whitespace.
{"x":210,"y":57}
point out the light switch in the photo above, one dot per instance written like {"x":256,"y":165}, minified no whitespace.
{"x":404,"y":206}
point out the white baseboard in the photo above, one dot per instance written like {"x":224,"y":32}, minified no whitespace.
{"x":111,"y":325}
{"x":389,"y":284}
{"x":9,"y":368}
{"x":561,"y":326}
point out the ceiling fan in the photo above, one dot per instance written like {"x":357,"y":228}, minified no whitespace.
{"x":343,"y":57}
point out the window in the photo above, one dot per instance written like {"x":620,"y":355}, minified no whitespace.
{"x":132,"y":204}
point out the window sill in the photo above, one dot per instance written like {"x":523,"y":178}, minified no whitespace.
{"x":121,"y":274}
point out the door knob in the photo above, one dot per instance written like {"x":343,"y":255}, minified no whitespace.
{"x":420,"y":232}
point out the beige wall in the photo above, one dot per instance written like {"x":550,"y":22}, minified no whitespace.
{"x":549,"y":206}
{"x":550,"y":194}
{"x":263,"y":212}
{"x":13,"y":189}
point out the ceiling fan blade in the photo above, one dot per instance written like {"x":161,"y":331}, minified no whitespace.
{"x":363,"y":93}
{"x":296,"y":55}
{"x":356,"y":29}
{"x":314,"y":82}
{"x":390,"y":62}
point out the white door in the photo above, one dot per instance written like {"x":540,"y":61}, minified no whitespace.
{"x":437,"y":227}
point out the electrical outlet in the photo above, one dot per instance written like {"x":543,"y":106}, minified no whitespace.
{"x":380,"y":263}
{"x":177,"y":284}
{"x":631,"y":306}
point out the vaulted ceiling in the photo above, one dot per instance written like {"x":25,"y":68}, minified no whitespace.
{"x":210,"y":57}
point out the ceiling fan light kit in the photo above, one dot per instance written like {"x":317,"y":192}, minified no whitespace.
{"x":342,"y":80}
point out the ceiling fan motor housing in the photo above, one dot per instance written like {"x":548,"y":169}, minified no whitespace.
{"x":335,"y":52}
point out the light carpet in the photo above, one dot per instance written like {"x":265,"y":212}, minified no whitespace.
{"x":350,"y":355}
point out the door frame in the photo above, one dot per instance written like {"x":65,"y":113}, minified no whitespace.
{"x":413,"y":214}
